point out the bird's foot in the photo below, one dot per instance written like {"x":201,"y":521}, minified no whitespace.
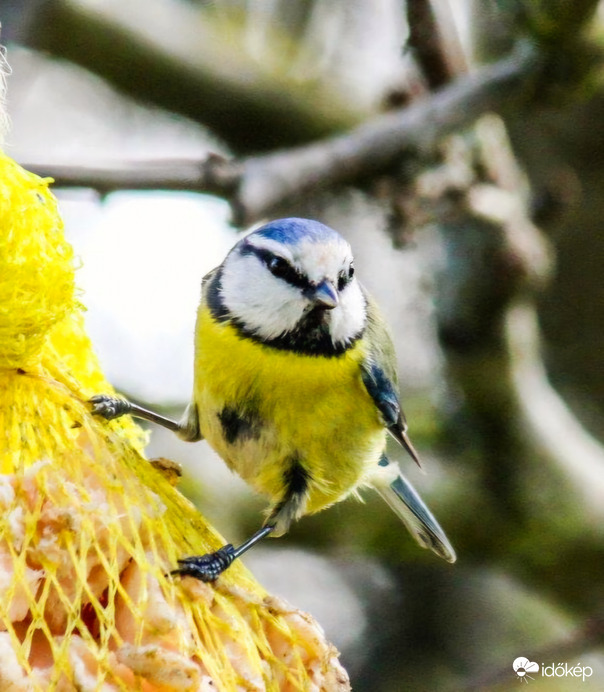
{"x":109,"y":407}
{"x":206,"y":567}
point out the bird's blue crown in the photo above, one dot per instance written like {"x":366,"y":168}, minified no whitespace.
{"x":292,"y":231}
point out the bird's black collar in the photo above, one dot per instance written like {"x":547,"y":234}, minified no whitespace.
{"x":311,"y":336}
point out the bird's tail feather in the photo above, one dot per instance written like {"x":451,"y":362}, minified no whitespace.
{"x":411,"y":509}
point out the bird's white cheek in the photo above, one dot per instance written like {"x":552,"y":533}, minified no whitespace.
{"x":265,"y":305}
{"x":348,"y":319}
{"x":283,"y":318}
{"x":269,"y":314}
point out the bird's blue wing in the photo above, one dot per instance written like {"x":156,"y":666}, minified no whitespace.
{"x":378,"y":372}
{"x":386,"y":399}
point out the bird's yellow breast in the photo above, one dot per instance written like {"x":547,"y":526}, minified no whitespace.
{"x":260,"y":406}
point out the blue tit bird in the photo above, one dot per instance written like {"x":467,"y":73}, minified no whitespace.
{"x":295,"y":385}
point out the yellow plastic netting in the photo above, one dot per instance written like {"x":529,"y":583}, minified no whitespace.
{"x":89,"y":528}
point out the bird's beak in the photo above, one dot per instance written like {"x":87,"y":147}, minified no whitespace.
{"x":324,"y":295}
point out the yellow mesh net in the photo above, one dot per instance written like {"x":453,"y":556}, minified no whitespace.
{"x":89,"y":529}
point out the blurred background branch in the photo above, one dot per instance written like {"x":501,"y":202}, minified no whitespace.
{"x":197,"y":69}
{"x":258,"y":185}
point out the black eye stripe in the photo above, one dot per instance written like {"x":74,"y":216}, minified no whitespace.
{"x":281,"y":268}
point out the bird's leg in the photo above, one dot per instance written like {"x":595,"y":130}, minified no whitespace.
{"x":210,"y":566}
{"x":110,"y":407}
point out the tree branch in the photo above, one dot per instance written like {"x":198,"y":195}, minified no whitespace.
{"x":182,"y":58}
{"x":214,"y":175}
{"x":436,"y":48}
{"x":539,"y":487}
{"x":257,"y":185}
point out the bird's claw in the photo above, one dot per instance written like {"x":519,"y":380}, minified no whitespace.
{"x":108,"y":407}
{"x":206,"y":567}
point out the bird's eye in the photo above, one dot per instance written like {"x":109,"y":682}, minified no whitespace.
{"x":278,"y":267}
{"x":344,"y":278}
{"x":282,"y":269}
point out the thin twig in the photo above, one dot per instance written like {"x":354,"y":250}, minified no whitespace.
{"x":214,"y":175}
{"x":436,"y":49}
